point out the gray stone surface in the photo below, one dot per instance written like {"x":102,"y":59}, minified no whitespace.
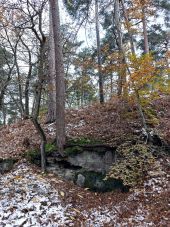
{"x":93,"y":161}
{"x":80,"y":180}
{"x":6,"y":165}
{"x":69,"y":174}
{"x":86,"y":168}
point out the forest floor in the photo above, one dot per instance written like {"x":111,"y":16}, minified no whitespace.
{"x":28,"y":198}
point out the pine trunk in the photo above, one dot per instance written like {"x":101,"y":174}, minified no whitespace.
{"x":51,"y":116}
{"x":60,"y":86}
{"x":101,"y":92}
{"x":145,"y":35}
{"x":122,"y":72}
{"x":128,"y":27}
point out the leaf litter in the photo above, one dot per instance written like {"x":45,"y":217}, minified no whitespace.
{"x":28,"y":198}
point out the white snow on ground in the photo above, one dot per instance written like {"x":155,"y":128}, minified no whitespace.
{"x":27,"y":199}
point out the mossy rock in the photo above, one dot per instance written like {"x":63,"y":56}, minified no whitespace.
{"x":82,"y":141}
{"x":73,"y":150}
{"x":78,"y":145}
{"x":34,"y":155}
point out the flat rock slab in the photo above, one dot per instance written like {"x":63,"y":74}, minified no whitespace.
{"x":93,"y":161}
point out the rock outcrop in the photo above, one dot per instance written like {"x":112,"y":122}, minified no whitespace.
{"x":6,"y":165}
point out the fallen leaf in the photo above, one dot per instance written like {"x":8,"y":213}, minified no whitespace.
{"x":76,"y":210}
{"x":80,"y":196}
{"x":62,"y":193}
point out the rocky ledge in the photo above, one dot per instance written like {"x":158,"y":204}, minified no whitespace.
{"x":85,"y":165}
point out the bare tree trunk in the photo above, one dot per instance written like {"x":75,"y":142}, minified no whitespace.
{"x":101,"y":92}
{"x":36,"y":107}
{"x":122,"y":72}
{"x":27,"y":83}
{"x":19,"y":86}
{"x":128,"y":27}
{"x":4,"y":112}
{"x":145,"y":35}
{"x":39,"y":83}
{"x":60,"y":85}
{"x":43,"y":143}
{"x":141,"y":112}
{"x":51,"y":115}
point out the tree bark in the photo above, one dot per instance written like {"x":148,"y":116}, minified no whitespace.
{"x":122,"y":72}
{"x":20,"y":90}
{"x":101,"y":92}
{"x":43,"y":143}
{"x":51,"y":115}
{"x":145,"y":35}
{"x":27,"y":83}
{"x":39,"y":83}
{"x":128,"y":27}
{"x":60,"y":86}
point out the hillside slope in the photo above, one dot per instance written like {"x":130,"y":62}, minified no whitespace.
{"x":113,"y":123}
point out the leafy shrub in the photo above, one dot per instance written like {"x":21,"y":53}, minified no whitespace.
{"x":135,"y":161}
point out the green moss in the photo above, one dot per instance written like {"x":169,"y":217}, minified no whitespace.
{"x":49,"y":148}
{"x":83,"y":141}
{"x":73,"y":150}
{"x":74,"y":145}
{"x":34,"y":155}
{"x":135,"y":162}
